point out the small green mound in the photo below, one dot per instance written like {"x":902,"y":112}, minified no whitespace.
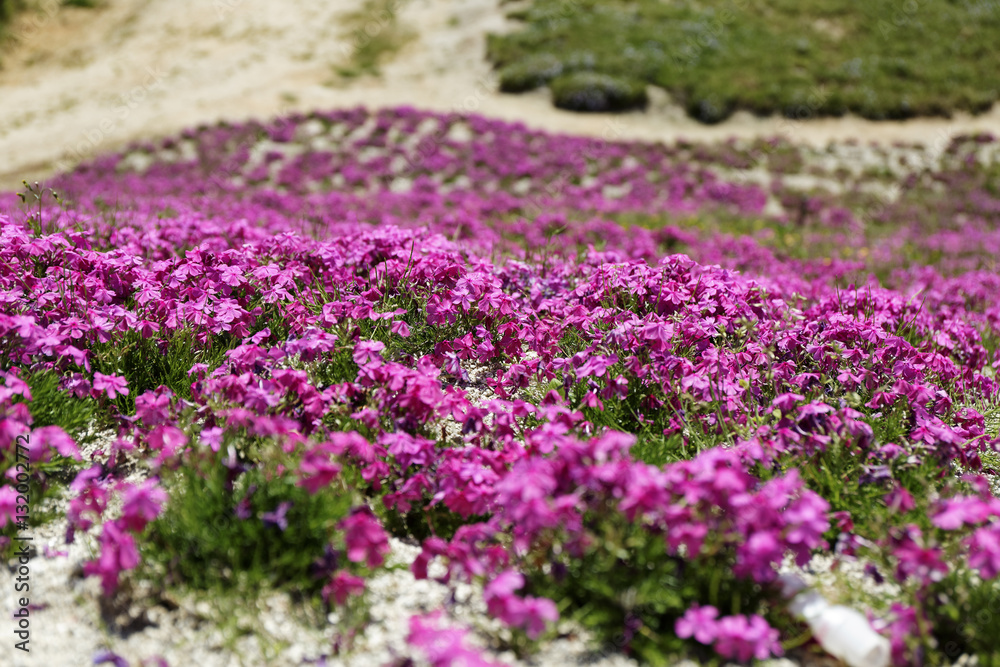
{"x":215,"y":532}
{"x":530,"y":73}
{"x":709,"y":109}
{"x":590,"y":91}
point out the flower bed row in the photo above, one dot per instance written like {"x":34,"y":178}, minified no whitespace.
{"x":303,"y":356}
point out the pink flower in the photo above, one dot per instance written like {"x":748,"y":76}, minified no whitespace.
{"x":961,"y":510}
{"x":787,"y":402}
{"x":899,"y":500}
{"x":367,"y":353}
{"x":43,"y":440}
{"x":365,"y":538}
{"x":278,"y":517}
{"x":167,"y":439}
{"x":500,"y":590}
{"x":316,"y":471}
{"x":59,"y":440}
{"x":984,"y":550}
{"x":118,"y":553}
{"x":912,"y":559}
{"x":342,"y":586}
{"x":153,"y":407}
{"x":743,"y":638}
{"x":698,"y":622}
{"x":807,"y":520}
{"x":444,"y":646}
{"x":141,"y":504}
{"x":537,"y":614}
{"x":232,"y":275}
{"x":530,"y":613}
{"x":8,"y":503}
{"x":109,"y":657}
{"x":114,"y":385}
{"x":212,"y":437}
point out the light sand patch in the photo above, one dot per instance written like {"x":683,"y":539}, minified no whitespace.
{"x":85,"y":82}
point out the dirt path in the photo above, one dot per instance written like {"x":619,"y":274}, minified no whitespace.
{"x":85,"y":81}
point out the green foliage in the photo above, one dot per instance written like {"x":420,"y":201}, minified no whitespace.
{"x":200,"y":542}
{"x":591,"y":91}
{"x":148,"y":363}
{"x":334,"y":368}
{"x":51,"y":406}
{"x":799,"y":58}
{"x":628,"y":592}
{"x":965,"y":613}
{"x":422,"y":521}
{"x":373,"y":35}
{"x":534,"y":71}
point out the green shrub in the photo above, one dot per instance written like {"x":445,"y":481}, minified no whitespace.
{"x":148,"y":363}
{"x":530,"y":73}
{"x":964,"y":613}
{"x":709,"y":110}
{"x":590,"y":91}
{"x":52,"y":406}
{"x":211,"y":534}
{"x":628,"y":592}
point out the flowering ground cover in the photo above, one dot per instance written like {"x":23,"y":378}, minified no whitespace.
{"x":624,"y":385}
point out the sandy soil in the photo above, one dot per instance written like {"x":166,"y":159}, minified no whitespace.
{"x":84,"y":81}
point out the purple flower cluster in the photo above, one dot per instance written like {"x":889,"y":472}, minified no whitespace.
{"x":422,"y":310}
{"x":735,"y":637}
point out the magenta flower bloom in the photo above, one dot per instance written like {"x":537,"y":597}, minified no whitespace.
{"x":367,"y":352}
{"x":51,"y":437}
{"x":984,"y":550}
{"x":444,"y":646}
{"x":698,"y":622}
{"x":342,"y":586}
{"x":742,"y":638}
{"x":118,"y":553}
{"x":113,"y":385}
{"x":168,"y":440}
{"x":212,"y":437}
{"x":699,"y":343}
{"x":500,"y":590}
{"x":366,"y":540}
{"x":8,"y":501}
{"x":141,"y":504}
{"x":153,"y":407}
{"x":530,"y":613}
{"x":316,"y":471}
{"x":106,"y":657}
{"x":537,"y":614}
{"x":953,"y":513}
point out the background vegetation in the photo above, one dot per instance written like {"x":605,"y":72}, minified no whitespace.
{"x":880,"y":60}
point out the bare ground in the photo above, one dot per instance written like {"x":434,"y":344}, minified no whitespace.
{"x":79,"y":82}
